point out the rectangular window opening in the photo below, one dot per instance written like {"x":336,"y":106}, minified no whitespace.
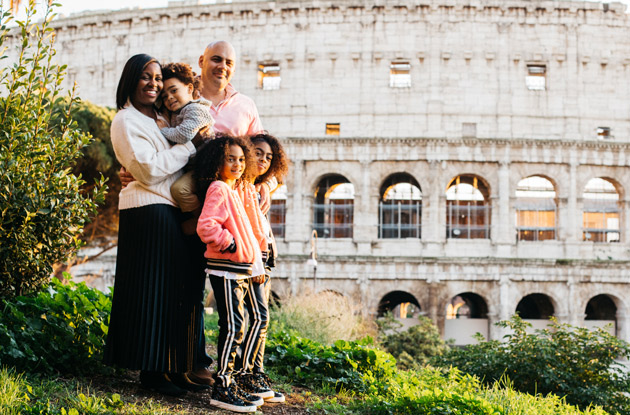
{"x":333,"y":128}
{"x":536,"y":77}
{"x":603,"y":133}
{"x":269,"y":76}
{"x":400,"y":75}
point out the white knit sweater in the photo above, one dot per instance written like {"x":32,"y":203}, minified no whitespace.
{"x":155,"y":164}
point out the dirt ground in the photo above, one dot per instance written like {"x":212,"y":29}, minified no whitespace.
{"x":128,"y":386}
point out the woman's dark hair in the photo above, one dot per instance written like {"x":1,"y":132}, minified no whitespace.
{"x":184,"y":73}
{"x":279,"y":166}
{"x":211,"y":156}
{"x":131,"y":76}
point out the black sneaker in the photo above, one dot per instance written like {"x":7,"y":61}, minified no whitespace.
{"x":263,"y":379}
{"x":248,"y":383}
{"x":253,"y":399}
{"x":227,"y":398}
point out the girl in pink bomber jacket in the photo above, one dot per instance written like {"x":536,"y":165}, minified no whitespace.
{"x":234,"y":247}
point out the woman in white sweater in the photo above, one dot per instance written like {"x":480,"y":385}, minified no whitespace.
{"x":152,"y":324}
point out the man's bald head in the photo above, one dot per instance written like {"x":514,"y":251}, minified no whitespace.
{"x":217,"y":66}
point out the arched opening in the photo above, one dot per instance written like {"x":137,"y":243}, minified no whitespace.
{"x":465,"y":306}
{"x":536,"y":209}
{"x":467,"y":208}
{"x":536,"y":309}
{"x":466,"y":315}
{"x":400,"y":303}
{"x":333,"y":211}
{"x":400,"y":207}
{"x":601,"y":312}
{"x":601,"y":211}
{"x":277,"y":212}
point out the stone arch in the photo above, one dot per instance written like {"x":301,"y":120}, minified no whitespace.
{"x":333,"y":207}
{"x":468,"y":207}
{"x":313,"y":181}
{"x":536,"y":306}
{"x":466,"y":305}
{"x":601,"y":211}
{"x":602,"y":311}
{"x":600,"y":307}
{"x":392,"y":300}
{"x":400,"y":207}
{"x":536,"y":207}
{"x":466,"y":314}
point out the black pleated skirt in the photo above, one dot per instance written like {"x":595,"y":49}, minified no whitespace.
{"x":154,"y":319}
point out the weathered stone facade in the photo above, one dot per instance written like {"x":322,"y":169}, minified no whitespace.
{"x":467,"y":110}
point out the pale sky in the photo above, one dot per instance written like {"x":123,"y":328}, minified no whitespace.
{"x":74,"y":6}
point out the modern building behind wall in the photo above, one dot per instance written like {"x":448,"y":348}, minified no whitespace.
{"x":463,"y":160}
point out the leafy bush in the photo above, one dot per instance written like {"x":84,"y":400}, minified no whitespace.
{"x":344,"y":365}
{"x":61,"y":329}
{"x":323,"y":317}
{"x":576,"y":363}
{"x":414,"y":347}
{"x":43,"y":207}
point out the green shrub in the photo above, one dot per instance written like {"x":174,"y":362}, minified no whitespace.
{"x":43,"y":207}
{"x":345,"y":365}
{"x":61,"y":329}
{"x":414,"y":347}
{"x":570,"y":362}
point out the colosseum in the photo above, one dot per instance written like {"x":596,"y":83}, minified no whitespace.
{"x":464,"y":160}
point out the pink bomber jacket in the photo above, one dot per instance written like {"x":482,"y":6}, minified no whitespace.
{"x":223,"y":219}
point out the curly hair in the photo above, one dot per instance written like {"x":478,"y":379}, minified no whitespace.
{"x":184,"y":73}
{"x":211,"y":157}
{"x":279,"y":166}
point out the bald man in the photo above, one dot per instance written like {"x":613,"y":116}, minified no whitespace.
{"x":234,"y":113}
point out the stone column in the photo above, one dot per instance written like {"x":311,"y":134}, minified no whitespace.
{"x":504,"y":235}
{"x":569,"y":232}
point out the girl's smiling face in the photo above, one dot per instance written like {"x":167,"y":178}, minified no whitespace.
{"x":233,"y":166}
{"x":149,"y":86}
{"x":176,"y":94}
{"x":264,"y":155}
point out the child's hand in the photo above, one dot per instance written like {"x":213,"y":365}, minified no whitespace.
{"x":265,"y":198}
{"x":161,"y":123}
{"x":259,"y":279}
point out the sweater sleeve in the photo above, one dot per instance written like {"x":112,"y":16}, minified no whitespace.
{"x":213,"y":215}
{"x":195,"y":116}
{"x":137,"y":152}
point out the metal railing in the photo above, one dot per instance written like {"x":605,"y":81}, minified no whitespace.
{"x":333,"y":220}
{"x":468,"y":221}
{"x":400,"y":220}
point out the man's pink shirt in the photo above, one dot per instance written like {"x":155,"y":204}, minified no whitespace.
{"x":236,"y":115}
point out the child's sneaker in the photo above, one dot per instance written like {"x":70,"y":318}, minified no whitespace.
{"x":248,"y":383}
{"x":253,"y":399}
{"x":228,"y":398}
{"x":263,"y":379}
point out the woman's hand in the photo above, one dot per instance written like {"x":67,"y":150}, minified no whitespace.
{"x":125,"y":177}
{"x":259,"y":279}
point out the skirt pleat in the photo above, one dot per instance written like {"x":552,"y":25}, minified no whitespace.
{"x":152,"y":323}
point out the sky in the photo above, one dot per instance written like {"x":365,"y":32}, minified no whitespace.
{"x":75,"y":6}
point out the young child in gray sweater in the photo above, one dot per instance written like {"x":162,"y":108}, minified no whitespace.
{"x":189,"y":113}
